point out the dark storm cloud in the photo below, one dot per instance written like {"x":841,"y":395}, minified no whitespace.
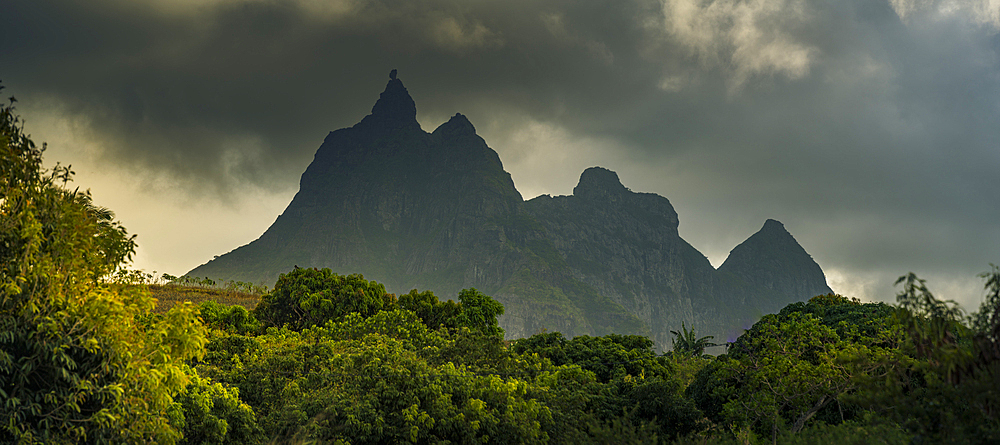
{"x":868,"y":127}
{"x":180,"y":88}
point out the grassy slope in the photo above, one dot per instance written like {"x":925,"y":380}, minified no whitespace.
{"x":169,"y":295}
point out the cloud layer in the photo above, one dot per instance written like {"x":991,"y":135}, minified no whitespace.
{"x":868,"y":127}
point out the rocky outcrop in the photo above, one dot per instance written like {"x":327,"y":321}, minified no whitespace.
{"x":437,"y":211}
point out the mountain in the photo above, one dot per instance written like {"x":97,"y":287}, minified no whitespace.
{"x":773,"y":260}
{"x":626,"y":245}
{"x":437,"y":211}
{"x":411,"y":208}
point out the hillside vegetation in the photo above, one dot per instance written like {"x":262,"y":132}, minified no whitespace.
{"x":168,"y":295}
{"x":326,"y":358}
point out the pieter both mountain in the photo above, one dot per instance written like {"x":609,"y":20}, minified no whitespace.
{"x":436,"y":211}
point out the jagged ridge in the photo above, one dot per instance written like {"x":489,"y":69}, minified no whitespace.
{"x":437,"y":211}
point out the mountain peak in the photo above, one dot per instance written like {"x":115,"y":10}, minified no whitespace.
{"x":458,"y":124}
{"x":394,"y":107}
{"x":597,"y":182}
{"x":773,"y":233}
{"x":774,"y":259}
{"x":773,"y":226}
{"x":771,"y":239}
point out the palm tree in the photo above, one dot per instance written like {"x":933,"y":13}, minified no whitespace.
{"x":686,"y":342}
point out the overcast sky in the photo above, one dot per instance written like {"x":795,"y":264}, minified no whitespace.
{"x":868,"y":127}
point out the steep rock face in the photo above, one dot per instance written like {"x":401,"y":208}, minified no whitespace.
{"x":772,"y":259}
{"x":626,"y":245}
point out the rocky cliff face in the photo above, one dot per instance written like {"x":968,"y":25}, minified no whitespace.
{"x":626,"y":245}
{"x":437,"y":211}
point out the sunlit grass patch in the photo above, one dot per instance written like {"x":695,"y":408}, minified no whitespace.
{"x":169,"y":295}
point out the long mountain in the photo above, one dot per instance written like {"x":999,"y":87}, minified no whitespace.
{"x":437,"y":211}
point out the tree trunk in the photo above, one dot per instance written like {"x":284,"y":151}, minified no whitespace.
{"x":808,"y":414}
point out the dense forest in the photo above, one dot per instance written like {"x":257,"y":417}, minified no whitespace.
{"x":326,"y":358}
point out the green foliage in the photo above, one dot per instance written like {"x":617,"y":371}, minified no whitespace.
{"x":869,"y":323}
{"x":685,"y":368}
{"x":233,"y":318}
{"x":633,"y":390}
{"x":659,"y":402}
{"x":476,"y":311}
{"x":943,"y":383}
{"x":480,"y":312}
{"x":311,"y":297}
{"x":479,"y":352}
{"x":608,"y":357}
{"x":712,"y":388}
{"x":403,"y":398}
{"x":210,"y":413}
{"x":620,"y":430}
{"x":370,"y":381}
{"x":433,"y":313}
{"x":868,"y":430}
{"x":916,"y":299}
{"x":79,"y":359}
{"x":686,"y":342}
{"x":986,"y":321}
{"x":933,"y":326}
{"x":399,"y":324}
{"x":788,"y":367}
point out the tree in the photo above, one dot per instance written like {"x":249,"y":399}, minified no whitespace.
{"x":235,"y":318}
{"x":686,"y":342}
{"x":608,"y":357}
{"x":943,"y":382}
{"x":480,"y":312}
{"x":374,"y":379}
{"x":790,"y":366}
{"x":310,"y":297}
{"x":933,"y":326}
{"x":211,"y":413}
{"x":986,"y":321}
{"x":434,"y":313}
{"x":78,"y":361}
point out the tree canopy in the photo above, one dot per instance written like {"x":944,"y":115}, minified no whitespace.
{"x":329,"y":358}
{"x":81,"y":359}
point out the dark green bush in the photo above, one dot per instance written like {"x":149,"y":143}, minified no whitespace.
{"x":311,"y":297}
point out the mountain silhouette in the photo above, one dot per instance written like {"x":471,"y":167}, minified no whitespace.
{"x":437,"y":211}
{"x":772,"y":259}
